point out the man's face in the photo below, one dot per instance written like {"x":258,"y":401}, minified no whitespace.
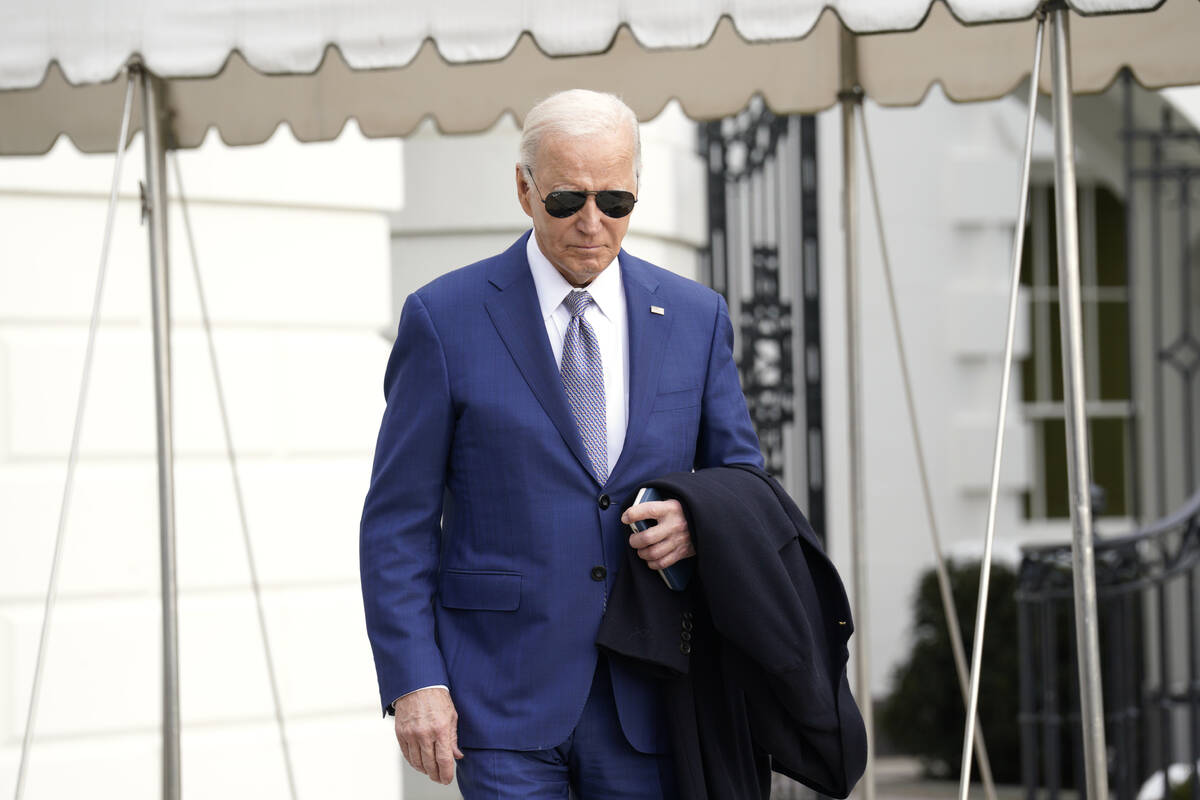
{"x":582,"y":245}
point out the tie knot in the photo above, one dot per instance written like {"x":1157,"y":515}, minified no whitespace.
{"x":577,"y":302}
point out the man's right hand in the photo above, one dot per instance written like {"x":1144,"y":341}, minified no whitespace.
{"x":427,"y":729}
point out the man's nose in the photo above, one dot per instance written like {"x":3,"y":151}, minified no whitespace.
{"x":590,"y":217}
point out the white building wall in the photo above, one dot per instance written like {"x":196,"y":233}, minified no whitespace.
{"x":948,"y":249}
{"x":292,"y":241}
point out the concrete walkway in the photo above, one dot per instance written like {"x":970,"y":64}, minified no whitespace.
{"x":901,"y":779}
{"x":898,"y":778}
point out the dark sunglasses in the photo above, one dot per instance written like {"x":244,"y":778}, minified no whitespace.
{"x":561,"y":204}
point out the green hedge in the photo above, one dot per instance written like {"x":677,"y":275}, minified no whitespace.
{"x":924,"y":715}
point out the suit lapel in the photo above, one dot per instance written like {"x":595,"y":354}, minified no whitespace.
{"x":647,"y":342}
{"x":515,"y":312}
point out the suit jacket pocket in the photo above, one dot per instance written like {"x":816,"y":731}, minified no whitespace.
{"x":480,"y":590}
{"x":687,"y":398}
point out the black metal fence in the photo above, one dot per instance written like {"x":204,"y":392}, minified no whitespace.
{"x":763,"y":255}
{"x":1147,"y":592}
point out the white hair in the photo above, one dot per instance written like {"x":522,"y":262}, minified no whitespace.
{"x":578,"y":113}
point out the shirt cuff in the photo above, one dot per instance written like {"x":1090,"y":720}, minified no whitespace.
{"x":423,"y":688}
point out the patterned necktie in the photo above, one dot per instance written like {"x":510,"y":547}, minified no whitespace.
{"x":583,"y":378}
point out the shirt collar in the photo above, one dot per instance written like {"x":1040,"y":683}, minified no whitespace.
{"x":552,"y":288}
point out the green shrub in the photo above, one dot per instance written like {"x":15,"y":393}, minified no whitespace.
{"x":924,"y":715}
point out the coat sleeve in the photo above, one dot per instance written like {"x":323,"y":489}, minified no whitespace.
{"x":726,"y":433}
{"x":400,"y":532}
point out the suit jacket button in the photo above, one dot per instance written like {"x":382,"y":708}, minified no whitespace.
{"x":687,"y":625}
{"x":604,"y":502}
{"x":686,"y":636}
{"x":599,"y":573}
{"x":685,"y":648}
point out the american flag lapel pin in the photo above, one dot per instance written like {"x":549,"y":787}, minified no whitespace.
{"x":658,"y":310}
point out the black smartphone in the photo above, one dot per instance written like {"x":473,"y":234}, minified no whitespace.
{"x":678,"y":574}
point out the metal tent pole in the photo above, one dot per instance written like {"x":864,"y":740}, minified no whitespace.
{"x":1078,"y":462}
{"x":985,"y":571}
{"x":851,"y":99}
{"x":60,"y":537}
{"x":155,"y":208}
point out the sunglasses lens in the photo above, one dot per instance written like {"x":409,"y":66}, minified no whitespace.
{"x":564,"y":204}
{"x":615,"y":204}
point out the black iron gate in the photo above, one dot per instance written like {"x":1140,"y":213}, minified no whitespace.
{"x":1147,"y":588}
{"x":763,"y":256}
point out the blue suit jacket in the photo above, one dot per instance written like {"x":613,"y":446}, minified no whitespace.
{"x":483,"y":522}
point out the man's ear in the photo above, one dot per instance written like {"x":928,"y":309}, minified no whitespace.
{"x":523,"y":191}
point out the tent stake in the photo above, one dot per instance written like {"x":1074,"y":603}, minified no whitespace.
{"x":155,"y":209}
{"x":1087,"y":636}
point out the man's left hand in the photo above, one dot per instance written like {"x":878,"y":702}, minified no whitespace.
{"x":663,"y":544}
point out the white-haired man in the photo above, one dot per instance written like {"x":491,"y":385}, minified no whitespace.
{"x":527,"y":396}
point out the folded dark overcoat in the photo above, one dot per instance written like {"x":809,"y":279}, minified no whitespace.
{"x":752,"y":656}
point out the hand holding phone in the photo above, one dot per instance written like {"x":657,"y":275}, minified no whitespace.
{"x":678,"y":574}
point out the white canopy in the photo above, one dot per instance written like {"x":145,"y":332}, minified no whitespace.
{"x":246,"y":66}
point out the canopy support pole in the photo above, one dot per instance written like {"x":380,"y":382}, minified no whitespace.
{"x":1087,"y":636}
{"x":851,"y":99}
{"x":985,"y":567}
{"x":60,"y":537}
{"x":155,"y":209}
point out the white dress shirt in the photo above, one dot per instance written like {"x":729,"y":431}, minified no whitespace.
{"x":610,"y":321}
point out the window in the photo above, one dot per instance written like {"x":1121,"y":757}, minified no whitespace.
{"x":1105,"y":297}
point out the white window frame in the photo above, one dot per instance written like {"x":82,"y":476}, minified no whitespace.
{"x":1042,"y":297}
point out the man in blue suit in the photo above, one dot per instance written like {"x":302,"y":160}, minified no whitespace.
{"x":527,"y":396}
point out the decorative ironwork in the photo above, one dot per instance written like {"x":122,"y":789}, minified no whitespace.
{"x":1147,"y":598}
{"x":1162,"y":181}
{"x":762,"y":256}
{"x":766,"y":356}
{"x":1183,"y":354}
